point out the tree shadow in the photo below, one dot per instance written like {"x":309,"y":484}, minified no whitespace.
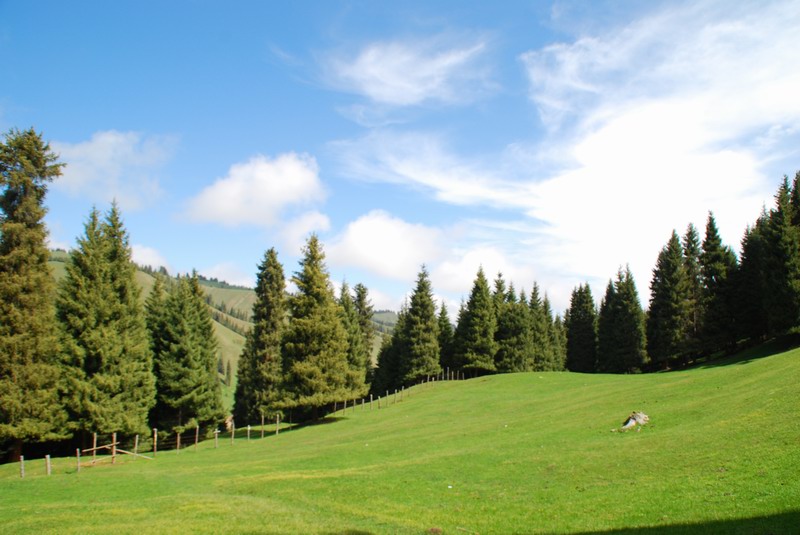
{"x":778,"y":524}
{"x":771,"y":347}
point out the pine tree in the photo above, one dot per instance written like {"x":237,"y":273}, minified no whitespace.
{"x":669,"y":320}
{"x":365,"y":314}
{"x":691,"y":262}
{"x":719,"y":267}
{"x":446,"y":340}
{"x":259,"y":375}
{"x":560,"y":339}
{"x":540,"y":340}
{"x":388,"y":373}
{"x":751,"y":283}
{"x":582,"y":331}
{"x":421,"y":334}
{"x":110,"y":382}
{"x":188,"y":389}
{"x":475,"y":341}
{"x":357,"y":354}
{"x":620,"y":328}
{"x":513,"y":334}
{"x":553,"y":361}
{"x":30,"y":408}
{"x":314,"y":344}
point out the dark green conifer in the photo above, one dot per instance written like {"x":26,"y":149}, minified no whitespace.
{"x":475,"y":341}
{"x":751,"y":283}
{"x":621,"y":329}
{"x":421,"y":333}
{"x":719,"y":270}
{"x":691,"y":262}
{"x":365,"y":313}
{"x":513,"y":334}
{"x":446,"y":340}
{"x":259,"y":375}
{"x":30,"y":408}
{"x":540,"y":341}
{"x":582,"y":331}
{"x":357,"y":354}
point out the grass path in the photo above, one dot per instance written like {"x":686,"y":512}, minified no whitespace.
{"x":521,"y":453}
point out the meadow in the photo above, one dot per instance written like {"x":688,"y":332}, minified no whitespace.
{"x":517,"y":453}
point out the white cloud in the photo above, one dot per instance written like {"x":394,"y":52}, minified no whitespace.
{"x":296,"y":232}
{"x":115,"y":165}
{"x":386,"y":245}
{"x":147,"y":256}
{"x":414,"y":71}
{"x":256,"y":192}
{"x":230,"y":273}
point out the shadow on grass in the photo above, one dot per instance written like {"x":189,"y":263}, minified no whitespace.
{"x":778,"y":524}
{"x":769,"y":348}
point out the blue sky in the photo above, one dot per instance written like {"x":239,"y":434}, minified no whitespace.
{"x":552,"y":141}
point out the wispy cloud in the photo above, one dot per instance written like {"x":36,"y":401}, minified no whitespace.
{"x":258,"y":191}
{"x":125,"y":166}
{"x":410,"y":72}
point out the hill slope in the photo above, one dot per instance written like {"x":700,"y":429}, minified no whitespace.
{"x":522,"y":453}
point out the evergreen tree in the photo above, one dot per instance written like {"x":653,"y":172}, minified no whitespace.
{"x":582,"y":331}
{"x":669,"y":320}
{"x":513,"y":335}
{"x":691,"y":262}
{"x":314,"y":345}
{"x":30,"y":408}
{"x":553,"y":361}
{"x":621,"y":331}
{"x":446,"y":340}
{"x":751,"y":283}
{"x":357,"y":354}
{"x":365,"y":314}
{"x":259,"y":374}
{"x":110,"y":382}
{"x":188,"y":388}
{"x":421,"y":334}
{"x":475,"y":341}
{"x":388,"y":373}
{"x":782,"y":284}
{"x":718,"y":266}
{"x":560,"y":338}
{"x":540,"y":340}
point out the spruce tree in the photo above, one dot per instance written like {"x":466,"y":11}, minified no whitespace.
{"x":513,"y":335}
{"x":446,"y":340}
{"x":553,"y":360}
{"x":669,"y":319}
{"x":719,"y":267}
{"x":782,"y":283}
{"x":30,"y":408}
{"x":582,"y":331}
{"x":751,"y":283}
{"x":314,"y":345}
{"x":365,"y":313}
{"x":110,"y":382}
{"x":540,"y":340}
{"x":388,"y":373}
{"x":691,"y":262}
{"x":357,"y":354}
{"x":259,"y":375}
{"x":475,"y":341}
{"x":188,"y":388}
{"x":621,"y":337}
{"x":421,"y":333}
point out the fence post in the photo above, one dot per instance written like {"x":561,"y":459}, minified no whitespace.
{"x":277,"y":423}
{"x":233,"y":431}
{"x":178,"y":442}
{"x":113,"y":448}
{"x":196,"y":436}
{"x":135,"y":447}
{"x":94,"y":446}
{"x":155,"y":441}
{"x":262,"y":425}
{"x":216,"y":438}
{"x":47,"y":464}
{"x":395,"y":396}
{"x":370,"y":402}
{"x":248,"y":432}
{"x":78,"y":456}
{"x":22,"y":467}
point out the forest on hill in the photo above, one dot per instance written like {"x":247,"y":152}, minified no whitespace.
{"x":111,"y":348}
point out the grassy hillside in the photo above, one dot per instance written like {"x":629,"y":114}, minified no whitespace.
{"x":522,"y":453}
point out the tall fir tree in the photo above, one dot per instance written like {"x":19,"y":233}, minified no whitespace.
{"x":691,"y":262}
{"x":782,"y":239}
{"x":365,"y":312}
{"x":110,"y":381}
{"x":719,"y":267}
{"x":539,"y":338}
{"x":259,"y":375}
{"x":751,"y":283}
{"x":421,"y":333}
{"x":553,"y":360}
{"x":513,"y":334}
{"x":189,"y":393}
{"x":669,"y":319}
{"x":582,"y":331}
{"x":475,"y":339}
{"x":30,"y":407}
{"x":357,"y":354}
{"x":621,"y":337}
{"x":446,"y":340}
{"x":314,"y":345}
{"x":388,"y":373}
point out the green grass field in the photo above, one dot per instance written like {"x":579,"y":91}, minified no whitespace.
{"x":522,"y":453}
